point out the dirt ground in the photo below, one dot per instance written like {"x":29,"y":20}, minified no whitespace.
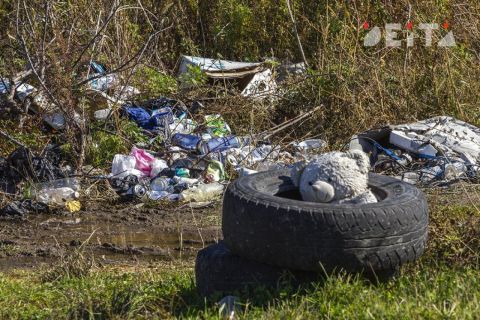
{"x":115,"y":234}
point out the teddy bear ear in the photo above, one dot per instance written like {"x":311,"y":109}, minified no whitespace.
{"x":296,"y":172}
{"x":362,"y":160}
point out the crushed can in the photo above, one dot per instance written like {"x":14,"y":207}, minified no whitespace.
{"x":128,"y":187}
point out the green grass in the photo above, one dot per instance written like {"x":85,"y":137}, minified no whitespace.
{"x":444,"y":284}
{"x":422,"y":292}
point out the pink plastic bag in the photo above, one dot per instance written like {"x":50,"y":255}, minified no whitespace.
{"x":144,"y":160}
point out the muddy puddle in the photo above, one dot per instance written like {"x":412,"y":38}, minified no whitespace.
{"x":112,"y":235}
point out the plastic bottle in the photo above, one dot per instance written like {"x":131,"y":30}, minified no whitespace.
{"x":188,"y":142}
{"x":157,"y":195}
{"x":431,"y":173}
{"x":59,"y":183}
{"x":203,"y":192}
{"x":57,"y":196}
{"x":219,"y":144}
{"x":188,"y":181}
{"x":161,"y":184}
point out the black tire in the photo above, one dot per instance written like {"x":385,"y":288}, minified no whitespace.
{"x":218,"y":270}
{"x":301,"y":235}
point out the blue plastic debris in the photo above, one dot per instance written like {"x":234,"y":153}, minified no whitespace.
{"x":98,"y":68}
{"x":159,"y":118}
{"x":139,"y":115}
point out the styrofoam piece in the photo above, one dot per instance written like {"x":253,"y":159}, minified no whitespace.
{"x":102,"y":114}
{"x":415,"y":145}
{"x":215,"y":65}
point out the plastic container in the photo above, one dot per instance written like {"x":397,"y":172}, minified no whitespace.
{"x":157,"y":195}
{"x":182,"y":180}
{"x":203,"y":192}
{"x":431,"y":173}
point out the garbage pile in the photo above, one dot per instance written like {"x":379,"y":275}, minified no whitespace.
{"x":435,"y":151}
{"x":192,"y":166}
{"x":190,"y":155}
{"x":196,"y":151}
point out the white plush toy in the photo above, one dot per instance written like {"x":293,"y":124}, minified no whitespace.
{"x":335,"y":177}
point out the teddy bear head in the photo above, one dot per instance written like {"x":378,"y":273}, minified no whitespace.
{"x":332,"y":177}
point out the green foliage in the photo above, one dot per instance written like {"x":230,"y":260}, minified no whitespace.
{"x":103,"y":147}
{"x":153,"y":83}
{"x":194,"y":77}
{"x":132,"y":132}
{"x":30,"y":136}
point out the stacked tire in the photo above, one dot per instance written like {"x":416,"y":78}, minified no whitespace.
{"x":268,"y":232}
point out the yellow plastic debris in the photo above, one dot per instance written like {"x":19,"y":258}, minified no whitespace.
{"x":73,"y":205}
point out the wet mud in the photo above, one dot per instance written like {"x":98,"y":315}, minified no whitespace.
{"x":122,"y":233}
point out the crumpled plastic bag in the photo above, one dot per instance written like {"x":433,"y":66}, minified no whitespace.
{"x":123,"y":166}
{"x":144,"y":160}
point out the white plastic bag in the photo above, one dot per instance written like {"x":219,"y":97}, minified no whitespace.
{"x":123,"y":165}
{"x":157,"y":166}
